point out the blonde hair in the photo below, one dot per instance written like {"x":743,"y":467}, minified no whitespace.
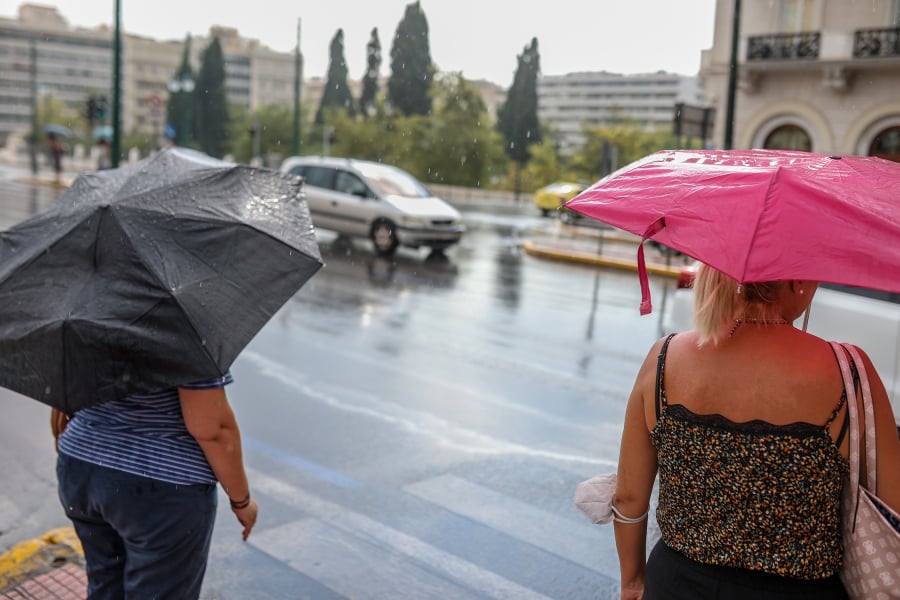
{"x":719,"y":300}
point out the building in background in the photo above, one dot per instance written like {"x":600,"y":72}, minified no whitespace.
{"x":569,"y":102}
{"x":818,"y":75}
{"x":74,"y":63}
{"x":70,"y":64}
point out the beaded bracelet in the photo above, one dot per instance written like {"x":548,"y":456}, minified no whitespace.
{"x":242,"y":504}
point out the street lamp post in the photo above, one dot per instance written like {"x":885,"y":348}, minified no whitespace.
{"x":183,"y":86}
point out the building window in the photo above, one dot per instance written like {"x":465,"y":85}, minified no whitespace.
{"x":797,"y":16}
{"x":788,"y":137}
{"x":887,"y":144}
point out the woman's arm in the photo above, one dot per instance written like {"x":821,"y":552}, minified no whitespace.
{"x":636,"y":473}
{"x":211,"y":422}
{"x":58,"y":422}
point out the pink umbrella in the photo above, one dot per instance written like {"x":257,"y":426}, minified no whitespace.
{"x":760,"y":215}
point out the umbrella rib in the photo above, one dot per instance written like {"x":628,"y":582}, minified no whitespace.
{"x":767,"y":198}
{"x":161,"y":284}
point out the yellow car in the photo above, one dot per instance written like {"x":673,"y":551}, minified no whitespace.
{"x":551,"y":197}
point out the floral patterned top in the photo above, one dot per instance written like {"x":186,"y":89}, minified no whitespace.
{"x":752,"y":495}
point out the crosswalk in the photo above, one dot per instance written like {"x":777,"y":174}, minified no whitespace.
{"x":358,"y":556}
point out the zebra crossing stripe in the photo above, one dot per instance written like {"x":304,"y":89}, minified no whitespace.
{"x":573,"y":539}
{"x":360,"y":528}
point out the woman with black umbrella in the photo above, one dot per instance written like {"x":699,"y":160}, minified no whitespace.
{"x":138,"y":478}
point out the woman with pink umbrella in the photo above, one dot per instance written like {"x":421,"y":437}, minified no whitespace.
{"x":749,"y":422}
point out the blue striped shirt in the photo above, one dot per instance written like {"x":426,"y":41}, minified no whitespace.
{"x":143,"y":434}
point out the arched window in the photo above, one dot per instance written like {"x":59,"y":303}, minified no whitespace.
{"x":788,"y":137}
{"x":887,"y":144}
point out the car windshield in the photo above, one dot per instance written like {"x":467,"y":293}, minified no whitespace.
{"x":391,"y":181}
{"x":561,"y":188}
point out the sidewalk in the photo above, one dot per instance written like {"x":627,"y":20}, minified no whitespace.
{"x":47,"y":568}
{"x":600,"y":246}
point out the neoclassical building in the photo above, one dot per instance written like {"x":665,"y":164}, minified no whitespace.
{"x":817,"y":75}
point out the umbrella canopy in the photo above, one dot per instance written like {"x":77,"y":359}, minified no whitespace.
{"x":148,"y":276}
{"x":102,"y":132}
{"x":761,"y":215}
{"x":57,"y":130}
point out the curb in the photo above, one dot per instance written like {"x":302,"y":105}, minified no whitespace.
{"x":542,"y":251}
{"x":63,"y":183}
{"x":39,"y":555}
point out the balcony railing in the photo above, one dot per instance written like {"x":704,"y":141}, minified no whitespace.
{"x":784,"y":46}
{"x":870,"y":43}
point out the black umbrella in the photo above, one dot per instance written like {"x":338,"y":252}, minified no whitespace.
{"x":148,"y":276}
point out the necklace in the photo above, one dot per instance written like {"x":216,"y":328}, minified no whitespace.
{"x":738,"y":322}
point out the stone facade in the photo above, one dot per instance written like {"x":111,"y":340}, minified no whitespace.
{"x":818,"y":75}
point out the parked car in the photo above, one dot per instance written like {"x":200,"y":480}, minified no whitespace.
{"x":549,"y":198}
{"x":868,"y":318}
{"x":360,"y":198}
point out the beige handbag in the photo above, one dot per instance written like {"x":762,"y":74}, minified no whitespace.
{"x":871,"y":567}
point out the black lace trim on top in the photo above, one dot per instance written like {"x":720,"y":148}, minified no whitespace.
{"x":756,"y":427}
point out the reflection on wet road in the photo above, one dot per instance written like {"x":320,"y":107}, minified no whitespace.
{"x":415,"y":426}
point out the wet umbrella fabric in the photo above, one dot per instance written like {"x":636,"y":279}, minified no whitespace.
{"x":102,"y":132}
{"x":57,"y":130}
{"x":148,"y":276}
{"x":761,"y":215}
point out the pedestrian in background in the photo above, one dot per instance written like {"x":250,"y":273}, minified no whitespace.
{"x":56,"y":149}
{"x":745,"y":420}
{"x":138,"y":476}
{"x":104,"y":160}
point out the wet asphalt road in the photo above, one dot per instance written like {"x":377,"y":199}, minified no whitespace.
{"x":413,"y":428}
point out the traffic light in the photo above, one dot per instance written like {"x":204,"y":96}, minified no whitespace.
{"x":90,"y":110}
{"x":100,"y":108}
{"x":96,"y":108}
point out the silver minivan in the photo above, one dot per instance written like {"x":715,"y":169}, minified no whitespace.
{"x":387,"y":205}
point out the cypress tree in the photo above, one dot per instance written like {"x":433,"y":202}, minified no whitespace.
{"x":177,"y":109}
{"x":337,"y":92}
{"x":370,"y":79}
{"x":517,"y":118}
{"x":211,"y":102}
{"x":411,"y":68}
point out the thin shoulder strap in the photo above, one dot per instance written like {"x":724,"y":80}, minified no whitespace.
{"x":660,"y":372}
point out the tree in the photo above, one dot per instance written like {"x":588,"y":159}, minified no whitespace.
{"x":211,"y":103}
{"x":411,"y":68}
{"x":462,"y":145}
{"x":337,"y":92}
{"x":517,"y":119}
{"x":178,"y":107}
{"x":273,"y":124}
{"x":370,"y":79}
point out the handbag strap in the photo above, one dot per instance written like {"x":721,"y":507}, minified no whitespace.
{"x":869,"y":418}
{"x":852,"y":411}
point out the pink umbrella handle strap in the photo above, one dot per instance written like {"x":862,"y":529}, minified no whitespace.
{"x":646,"y":304}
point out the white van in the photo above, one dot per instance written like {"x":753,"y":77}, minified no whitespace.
{"x":361,"y":198}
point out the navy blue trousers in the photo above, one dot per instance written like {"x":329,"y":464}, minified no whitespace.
{"x":142,"y":538}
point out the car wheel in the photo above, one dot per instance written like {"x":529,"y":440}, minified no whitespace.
{"x":384,"y":237}
{"x":545,"y":212}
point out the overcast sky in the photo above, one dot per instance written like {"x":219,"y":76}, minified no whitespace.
{"x":480,"y":38}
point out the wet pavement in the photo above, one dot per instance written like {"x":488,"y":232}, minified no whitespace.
{"x":414,"y":427}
